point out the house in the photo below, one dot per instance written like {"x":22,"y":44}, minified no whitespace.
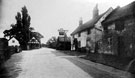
{"x":97,"y":31}
{"x":13,"y":42}
{"x":90,"y":29}
{"x":63,"y":41}
{"x":34,"y":43}
{"x":119,"y":30}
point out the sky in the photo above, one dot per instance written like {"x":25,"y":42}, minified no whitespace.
{"x":47,"y":16}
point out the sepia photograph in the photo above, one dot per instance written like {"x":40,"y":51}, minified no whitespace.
{"x":67,"y":39}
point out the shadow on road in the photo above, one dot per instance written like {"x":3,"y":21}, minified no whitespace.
{"x":94,"y":72}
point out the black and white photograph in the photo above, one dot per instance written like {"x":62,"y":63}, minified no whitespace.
{"x":67,"y":39}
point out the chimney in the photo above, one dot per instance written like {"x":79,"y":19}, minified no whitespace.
{"x":95,"y":11}
{"x":80,"y":21}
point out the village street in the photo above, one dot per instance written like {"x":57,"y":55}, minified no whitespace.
{"x":49,"y":63}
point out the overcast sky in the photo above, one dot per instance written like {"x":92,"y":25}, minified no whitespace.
{"x":50,"y":15}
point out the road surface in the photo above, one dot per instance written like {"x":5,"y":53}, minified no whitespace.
{"x":49,"y":63}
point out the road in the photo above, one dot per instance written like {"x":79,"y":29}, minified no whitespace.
{"x":49,"y":63}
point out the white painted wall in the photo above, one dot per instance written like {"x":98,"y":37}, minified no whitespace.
{"x":95,"y":34}
{"x":13,"y":42}
{"x":98,"y":24}
{"x":76,"y":35}
{"x":83,"y":38}
{"x":72,"y":46}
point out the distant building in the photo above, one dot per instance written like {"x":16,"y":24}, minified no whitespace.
{"x":34,"y":43}
{"x":119,"y":31}
{"x":92,"y":29}
{"x":13,"y":42}
{"x":63,"y":41}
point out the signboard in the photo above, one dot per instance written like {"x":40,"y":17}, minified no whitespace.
{"x":62,"y":31}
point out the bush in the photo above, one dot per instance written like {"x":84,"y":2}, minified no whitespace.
{"x":110,"y":60}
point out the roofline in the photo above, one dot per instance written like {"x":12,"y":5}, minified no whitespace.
{"x":118,"y":18}
{"x":90,"y":26}
{"x":82,"y":30}
{"x":84,"y":24}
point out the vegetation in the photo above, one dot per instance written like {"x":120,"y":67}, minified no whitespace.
{"x":52,"y":42}
{"x":22,"y":30}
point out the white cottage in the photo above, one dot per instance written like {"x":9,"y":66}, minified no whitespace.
{"x":92,"y":28}
{"x":13,"y":42}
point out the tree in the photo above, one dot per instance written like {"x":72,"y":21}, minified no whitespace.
{"x":22,"y":30}
{"x":37,"y":35}
{"x":52,"y":42}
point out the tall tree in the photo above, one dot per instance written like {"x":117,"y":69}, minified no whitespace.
{"x":25,"y":18}
{"x":22,"y":30}
{"x":23,"y":23}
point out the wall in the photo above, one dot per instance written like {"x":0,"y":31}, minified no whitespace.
{"x":15,"y":43}
{"x":122,"y":37}
{"x":83,"y":38}
{"x":110,"y":40}
{"x":95,"y":35}
{"x":129,"y":37}
{"x":76,"y":35}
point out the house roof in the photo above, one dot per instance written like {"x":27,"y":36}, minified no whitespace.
{"x":89,"y":24}
{"x":12,"y":38}
{"x":120,"y":12}
{"x":86,"y":25}
{"x":33,"y":40}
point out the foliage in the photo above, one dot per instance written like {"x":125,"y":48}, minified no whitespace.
{"x":22,"y":30}
{"x":52,"y":42}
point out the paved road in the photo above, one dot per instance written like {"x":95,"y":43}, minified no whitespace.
{"x":49,"y":63}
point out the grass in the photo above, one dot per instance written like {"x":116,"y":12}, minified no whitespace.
{"x":106,"y":59}
{"x":110,"y":60}
{"x":73,"y":53}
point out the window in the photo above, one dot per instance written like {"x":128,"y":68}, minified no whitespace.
{"x":61,"y":33}
{"x":129,"y":22}
{"x":112,"y":27}
{"x":13,"y":41}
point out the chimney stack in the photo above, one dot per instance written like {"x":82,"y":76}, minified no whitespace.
{"x":95,"y":11}
{"x":80,"y":21}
